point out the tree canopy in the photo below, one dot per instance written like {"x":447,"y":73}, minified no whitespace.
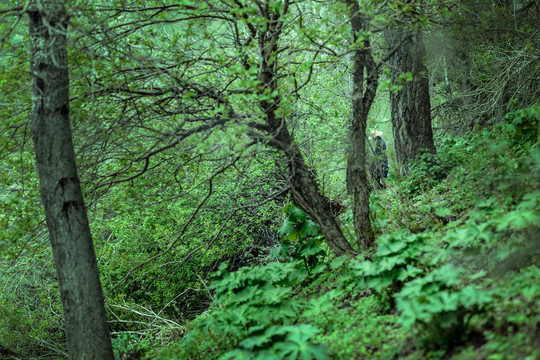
{"x":222,"y":150}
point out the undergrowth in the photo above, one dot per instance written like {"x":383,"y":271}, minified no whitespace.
{"x":455,"y":272}
{"x":454,"y":275}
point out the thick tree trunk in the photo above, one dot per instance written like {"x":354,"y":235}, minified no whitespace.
{"x":80,"y":289}
{"x":364,"y":90}
{"x":411,"y":106}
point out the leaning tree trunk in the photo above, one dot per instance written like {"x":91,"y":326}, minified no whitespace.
{"x":411,"y":106}
{"x":302,"y":184}
{"x":364,"y":90}
{"x":85,"y":319}
{"x":306,"y":194}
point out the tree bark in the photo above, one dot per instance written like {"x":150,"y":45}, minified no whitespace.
{"x":76,"y":267}
{"x":307,"y":195}
{"x":364,"y":90}
{"x":411,"y":106}
{"x":302,"y":183}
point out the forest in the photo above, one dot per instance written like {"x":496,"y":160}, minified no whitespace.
{"x":269,"y":179}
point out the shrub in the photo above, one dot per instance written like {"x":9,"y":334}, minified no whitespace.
{"x":438,"y":308}
{"x":250,"y":317}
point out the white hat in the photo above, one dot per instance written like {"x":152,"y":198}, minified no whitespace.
{"x":374,"y":133}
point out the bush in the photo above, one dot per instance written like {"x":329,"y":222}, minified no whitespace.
{"x":439,"y":308}
{"x":251,"y":317}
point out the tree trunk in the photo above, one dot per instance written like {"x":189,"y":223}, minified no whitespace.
{"x":76,"y":268}
{"x":411,"y":106}
{"x":302,"y":183}
{"x":307,"y":196}
{"x":364,"y":90}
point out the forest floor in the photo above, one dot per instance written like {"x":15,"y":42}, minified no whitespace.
{"x":455,"y":274}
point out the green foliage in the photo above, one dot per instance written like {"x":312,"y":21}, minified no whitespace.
{"x":438,"y":308}
{"x":511,"y":324}
{"x":336,"y":303}
{"x":427,"y":169}
{"x":523,"y":126}
{"x":475,"y":203}
{"x":512,"y":153}
{"x":31,"y":320}
{"x":251,"y":316}
{"x":511,"y":147}
{"x":369,"y":333}
{"x":398,"y":259}
{"x":499,"y":239}
{"x":128,"y":341}
{"x":300,"y":238}
{"x":280,"y":342}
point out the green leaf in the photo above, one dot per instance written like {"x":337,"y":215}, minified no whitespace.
{"x":443,"y":212}
{"x":530,"y":201}
{"x":409,"y":272}
{"x":255,"y":341}
{"x":366,"y":268}
{"x":297,"y":215}
{"x":390,"y":246}
{"x":519,"y":220}
{"x":275,"y":295}
{"x":237,"y":354}
{"x":311,"y":248}
{"x":379,"y":283}
{"x":309,"y":227}
{"x":448,"y":300}
{"x":322,"y":304}
{"x":478,"y":275}
{"x":338,"y":262}
{"x":247,"y":294}
{"x":298,"y":344}
{"x":390,"y":262}
{"x":471,"y":295}
{"x":286,"y":228}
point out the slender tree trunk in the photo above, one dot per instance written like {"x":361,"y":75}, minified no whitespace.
{"x":76,"y":268}
{"x":302,"y":183}
{"x":466,"y":86}
{"x":411,"y":106}
{"x":465,"y":72}
{"x":449,"y":95}
{"x":364,"y":90}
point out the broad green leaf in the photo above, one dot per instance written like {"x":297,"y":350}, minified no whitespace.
{"x":389,"y":246}
{"x":471,"y":295}
{"x":409,"y":272}
{"x":297,"y":215}
{"x":275,"y":295}
{"x":309,"y":227}
{"x":286,"y":228}
{"x":519,"y":220}
{"x":443,"y":212}
{"x":338,"y":262}
{"x":255,"y":341}
{"x":311,"y":248}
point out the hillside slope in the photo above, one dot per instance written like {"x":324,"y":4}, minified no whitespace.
{"x":455,"y":274}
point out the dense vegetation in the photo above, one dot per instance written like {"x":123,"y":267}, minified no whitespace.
{"x":455,"y":272}
{"x":203,"y":248}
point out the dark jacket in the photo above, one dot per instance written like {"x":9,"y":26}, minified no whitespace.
{"x":379,"y":166}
